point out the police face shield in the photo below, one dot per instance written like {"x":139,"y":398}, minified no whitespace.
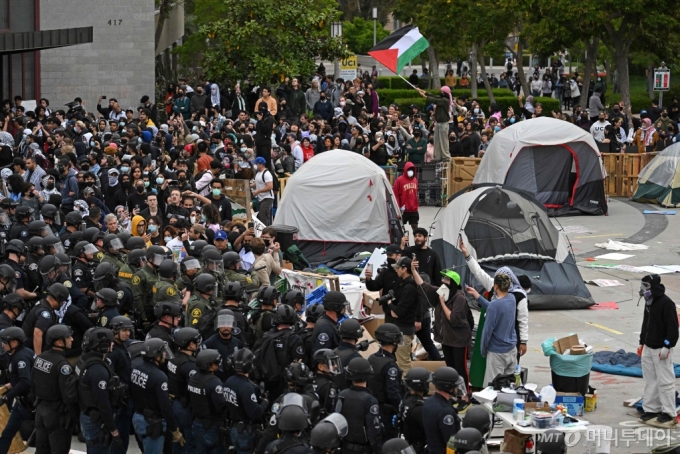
{"x":214,"y":266}
{"x":334,"y":365}
{"x":225,"y":321}
{"x":191,"y":266}
{"x":156,"y":259}
{"x":292,"y":400}
{"x":168,"y":352}
{"x":101,"y":283}
{"x":46,"y":232}
{"x":5,"y":221}
{"x":90,"y":250}
{"x":339,"y":422}
{"x":50,"y":276}
{"x":115,"y":245}
{"x":65,"y":268}
{"x":56,"y":248}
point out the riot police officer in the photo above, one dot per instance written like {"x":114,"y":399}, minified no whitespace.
{"x":386,"y":381}
{"x":19,"y":230}
{"x":112,"y":251}
{"x":83,"y":253}
{"x":73,"y":222}
{"x":9,"y":207}
{"x":165,"y":287}
{"x":327,"y":435}
{"x":231,"y":262}
{"x":479,"y":418}
{"x":50,"y":215}
{"x":119,"y":360}
{"x":42,"y":316}
{"x":124,"y":236}
{"x":105,"y":277}
{"x":50,"y":269}
{"x":38,"y":228}
{"x":202,"y":299}
{"x":246,"y":406}
{"x":361,"y":410}
{"x":51,"y":244}
{"x":57,"y":396}
{"x":350,"y":332}
{"x":35,"y":252}
{"x":168,"y":315}
{"x":212,"y":264}
{"x":189,"y":268}
{"x":293,"y":420}
{"x":224,"y":340}
{"x":209,"y":404}
{"x":106,"y":302}
{"x":468,"y":441}
{"x":295,"y":299}
{"x":233,"y":300}
{"x":12,"y":306}
{"x":180,"y":370}
{"x":144,"y":280}
{"x":136,"y":258}
{"x":16,"y":253}
{"x":20,"y":365}
{"x":325,"y":332}
{"x":440,"y":419}
{"x":99,"y":391}
{"x":397,"y":446}
{"x":418,"y":382}
{"x":312,"y":314}
{"x":326,"y":366}
{"x":153,"y":412}
{"x":263,"y":319}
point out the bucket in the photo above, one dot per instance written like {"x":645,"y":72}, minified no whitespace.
{"x":599,"y":439}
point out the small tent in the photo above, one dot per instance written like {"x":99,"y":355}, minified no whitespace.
{"x":555,"y":161}
{"x":341,"y":203}
{"x":659,"y":181}
{"x":503,"y":226}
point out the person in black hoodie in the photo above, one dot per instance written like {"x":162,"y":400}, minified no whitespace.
{"x":405,"y":309}
{"x":658,"y":337}
{"x":264,"y":129}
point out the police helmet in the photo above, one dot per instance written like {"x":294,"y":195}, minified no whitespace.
{"x":185,"y":336}
{"x":230,"y":258}
{"x":108,"y":296}
{"x":267,"y":295}
{"x":171,"y":308}
{"x":56,"y":332}
{"x":242,"y":360}
{"x":49,"y":211}
{"x":292,"y":418}
{"x":197,"y":247}
{"x":334,"y":301}
{"x":155,"y":255}
{"x":189,"y":263}
{"x":12,"y":333}
{"x":446,"y":379}
{"x":167,"y":269}
{"x":329,"y":358}
{"x":8,"y":273}
{"x":389,"y":333}
{"x":313,"y":312}
{"x":97,"y":339}
{"x":83,"y":247}
{"x":468,"y":439}
{"x":48,"y":264}
{"x":135,"y":243}
{"x":205,"y":283}
{"x":63,"y":260}
{"x":206,"y":358}
{"x":233,"y":291}
{"x":211,"y":258}
{"x":136,"y":257}
{"x":35,"y":245}
{"x":59,"y":292}
{"x":225,"y":319}
{"x":38,"y":228}
{"x":359,"y":369}
{"x":397,"y":446}
{"x":124,"y":236}
{"x":293,"y":297}
{"x":350,"y":329}
{"x":75,"y":237}
{"x":8,"y":203}
{"x":551,"y":442}
{"x":418,"y":379}
{"x":154,"y":347}
{"x":111,"y":241}
{"x":120,"y":322}
{"x":74,"y":219}
{"x":478,"y":418}
{"x":16,"y":246}
{"x":104,"y":274}
{"x":298,"y":374}
{"x":329,"y":432}
{"x":92,"y":234}
{"x":135,"y":349}
{"x":284,"y":315}
{"x":12,"y":301}
{"x":23,"y":212}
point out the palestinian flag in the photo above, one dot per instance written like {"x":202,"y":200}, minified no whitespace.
{"x":399,"y":48}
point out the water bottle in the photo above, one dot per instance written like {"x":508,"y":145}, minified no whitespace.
{"x":548,"y":394}
{"x":518,"y":376}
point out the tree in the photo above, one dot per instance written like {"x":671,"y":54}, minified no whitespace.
{"x":358,"y":34}
{"x":262,"y":40}
{"x":352,"y":9}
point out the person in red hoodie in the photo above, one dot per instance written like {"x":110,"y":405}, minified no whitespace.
{"x":307,"y":150}
{"x":406,"y":192}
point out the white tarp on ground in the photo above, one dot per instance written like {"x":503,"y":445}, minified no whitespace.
{"x":337,"y":196}
{"x":542,"y":131}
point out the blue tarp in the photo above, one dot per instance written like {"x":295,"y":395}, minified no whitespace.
{"x":621,"y":362}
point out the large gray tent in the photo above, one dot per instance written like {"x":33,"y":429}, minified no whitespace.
{"x":503,"y":226}
{"x":553,"y":160}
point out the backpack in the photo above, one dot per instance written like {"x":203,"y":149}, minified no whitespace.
{"x":266,"y":362}
{"x":295,"y":256}
{"x":276,"y":186}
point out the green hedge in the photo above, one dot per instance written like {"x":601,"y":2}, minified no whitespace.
{"x":387,"y":96}
{"x":503,"y":102}
{"x":397,"y":83}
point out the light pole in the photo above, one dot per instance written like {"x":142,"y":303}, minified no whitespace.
{"x":375,"y":20}
{"x":336,"y":32}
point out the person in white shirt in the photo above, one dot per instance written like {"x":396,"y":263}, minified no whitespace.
{"x":295,"y":150}
{"x":264,"y":190}
{"x":597,"y":128}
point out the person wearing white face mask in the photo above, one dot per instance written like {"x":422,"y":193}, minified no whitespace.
{"x":406,"y":193}
{"x":219,"y":200}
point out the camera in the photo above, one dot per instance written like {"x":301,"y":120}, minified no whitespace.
{"x":386,"y":298}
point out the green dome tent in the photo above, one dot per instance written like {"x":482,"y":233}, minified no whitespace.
{"x":659,"y":181}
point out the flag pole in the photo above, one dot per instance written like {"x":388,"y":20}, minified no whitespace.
{"x":402,"y":77}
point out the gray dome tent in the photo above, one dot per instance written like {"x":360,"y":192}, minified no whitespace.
{"x":659,"y":181}
{"x":503,"y":226}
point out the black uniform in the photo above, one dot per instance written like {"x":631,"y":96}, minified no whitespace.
{"x":33,"y":277}
{"x":77,"y":296}
{"x":262,"y":321}
{"x":271,"y":431}
{"x":245,"y":409}
{"x":287,"y":347}
{"x":152,"y":400}
{"x":325,"y":387}
{"x":160,"y":332}
{"x":325,"y":333}
{"x":57,"y":409}
{"x":180,"y":370}
{"x":411,"y":420}
{"x":289,"y":444}
{"x":66,"y":240}
{"x":19,"y":274}
{"x":42,"y":317}
{"x":358,"y":405}
{"x":119,"y":361}
{"x":82,"y":275}
{"x":105,"y":316}
{"x":20,"y":366}
{"x":243,"y":329}
{"x":441,"y":422}
{"x":226,"y":347}
{"x":125,"y":298}
{"x":346,"y":352}
{"x":77,"y":319}
{"x":307,"y":336}
{"x":19,"y":231}
{"x":386,"y":387}
{"x":209,"y":405}
{"x":5,"y":321}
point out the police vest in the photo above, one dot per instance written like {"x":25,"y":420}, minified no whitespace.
{"x":115,"y":387}
{"x":344,"y":354}
{"x":411,"y":429}
{"x":45,"y":373}
{"x":377,"y":382}
{"x":353,"y":410}
{"x":201,"y":404}
{"x":177,"y":385}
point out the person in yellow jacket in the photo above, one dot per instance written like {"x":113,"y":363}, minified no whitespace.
{"x":139,"y":228}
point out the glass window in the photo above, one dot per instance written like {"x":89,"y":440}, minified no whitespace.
{"x":23,"y":15}
{"x":4,"y":14}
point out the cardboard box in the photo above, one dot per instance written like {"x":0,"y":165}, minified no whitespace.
{"x":514,"y":442}
{"x":371,"y":325}
{"x":430,"y":366}
{"x":574,"y":402}
{"x":370,"y":303}
{"x":564,"y":344}
{"x":536,"y":406}
{"x":578,"y":350}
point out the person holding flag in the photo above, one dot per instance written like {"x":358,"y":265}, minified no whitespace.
{"x":444,"y":108}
